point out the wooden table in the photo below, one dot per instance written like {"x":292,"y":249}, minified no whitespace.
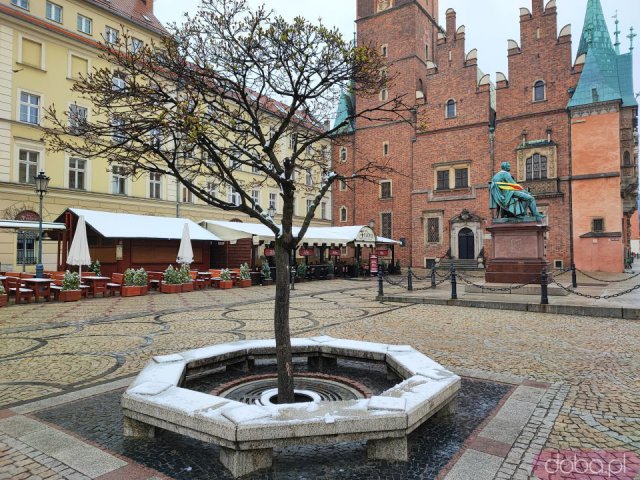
{"x":41,"y":287}
{"x":97,"y":285}
{"x":206,"y":276}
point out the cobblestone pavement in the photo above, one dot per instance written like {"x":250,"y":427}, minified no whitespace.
{"x":585,"y":367}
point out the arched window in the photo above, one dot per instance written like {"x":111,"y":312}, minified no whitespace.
{"x":451,"y":109}
{"x":536,"y":167}
{"x":627,"y":159}
{"x":343,"y":154}
{"x":539,"y":91}
{"x":343,"y":214}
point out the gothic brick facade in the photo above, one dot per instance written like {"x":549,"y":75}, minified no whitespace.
{"x":461,"y":129}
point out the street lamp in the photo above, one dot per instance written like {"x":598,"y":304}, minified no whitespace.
{"x":271,"y":212}
{"x":42,"y":182}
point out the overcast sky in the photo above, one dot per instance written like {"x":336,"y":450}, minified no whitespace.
{"x":489,"y":23}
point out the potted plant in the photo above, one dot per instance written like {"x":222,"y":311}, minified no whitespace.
{"x":185,"y":275}
{"x":225,"y":279}
{"x":136,"y":283}
{"x":4,"y":297}
{"x":95,"y":268}
{"x":266,"y":273}
{"x":70,"y":291}
{"x":244,"y":279}
{"x":172,"y":281}
{"x":301,"y":272}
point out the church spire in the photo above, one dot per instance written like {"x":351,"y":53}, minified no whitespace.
{"x":595,"y":33}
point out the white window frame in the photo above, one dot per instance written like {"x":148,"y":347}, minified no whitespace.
{"x":119,"y":81}
{"x":273,"y":200}
{"x":309,"y":205}
{"x":69,"y":170}
{"x":323,"y":211}
{"x":293,"y":139}
{"x":233,"y":197}
{"x":72,"y":105}
{"x":111,"y":35}
{"x":255,"y":196}
{"x":32,"y":146}
{"x":186,"y":195}
{"x":119,"y":176}
{"x":117,"y":137}
{"x":29,"y":163}
{"x":82,"y":22}
{"x":309,"y":179}
{"x":24,"y":4}
{"x":51,"y":7}
{"x":382,"y":233}
{"x":39,"y":107}
{"x":155,"y":183}
{"x":42,"y":44}
{"x":136,"y":44}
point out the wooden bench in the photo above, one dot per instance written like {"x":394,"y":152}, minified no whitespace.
{"x":115,"y":285}
{"x":16,"y":288}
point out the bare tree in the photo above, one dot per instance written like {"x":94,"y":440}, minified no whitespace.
{"x":228,"y":89}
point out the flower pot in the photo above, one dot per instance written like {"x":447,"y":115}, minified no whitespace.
{"x":4,"y":300}
{"x":170,"y":287}
{"x":187,"y":287}
{"x":267,"y":281}
{"x":70,"y":295}
{"x":226,"y":284}
{"x":133,"y":290}
{"x":244,"y":283}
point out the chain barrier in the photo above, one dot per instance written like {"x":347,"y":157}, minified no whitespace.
{"x":597,"y":297}
{"x":608,"y":281}
{"x":562,"y":272}
{"x":419,"y":278}
{"x":493,"y":289}
{"x":394,"y":284}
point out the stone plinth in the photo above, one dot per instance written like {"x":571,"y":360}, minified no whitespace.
{"x":517,"y":253}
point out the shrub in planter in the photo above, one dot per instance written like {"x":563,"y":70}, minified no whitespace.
{"x":4,"y":297}
{"x":225,"y":279}
{"x":136,"y":282}
{"x":266,"y":273}
{"x":301,"y":272}
{"x":70,"y":287}
{"x":187,"y":283}
{"x":244,"y":280}
{"x":172,"y":281}
{"x":95,"y":268}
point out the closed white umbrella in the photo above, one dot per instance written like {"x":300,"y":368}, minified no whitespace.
{"x":185,"y":252}
{"x":79,"y":252}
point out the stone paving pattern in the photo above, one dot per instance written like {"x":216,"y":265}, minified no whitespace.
{"x":589,"y":364}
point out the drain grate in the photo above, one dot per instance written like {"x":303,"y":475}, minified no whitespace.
{"x":333,"y":389}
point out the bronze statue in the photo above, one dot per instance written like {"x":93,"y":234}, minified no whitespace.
{"x":509,"y":199}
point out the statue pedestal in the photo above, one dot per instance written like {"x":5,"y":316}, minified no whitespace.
{"x":517,"y":253}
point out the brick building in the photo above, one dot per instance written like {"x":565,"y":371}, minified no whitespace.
{"x":463,"y":127}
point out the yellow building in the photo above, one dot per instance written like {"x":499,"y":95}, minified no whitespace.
{"x":45,"y":46}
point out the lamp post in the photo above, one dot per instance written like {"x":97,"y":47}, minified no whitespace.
{"x":42,"y":182}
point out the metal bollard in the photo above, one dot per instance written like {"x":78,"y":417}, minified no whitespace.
{"x":380,"y":285}
{"x":433,"y":277}
{"x":454,"y":285}
{"x":293,"y":278}
{"x":544,"y":300}
{"x":409,"y":280}
{"x":574,"y":276}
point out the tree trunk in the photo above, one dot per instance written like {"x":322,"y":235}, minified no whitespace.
{"x":281,"y":325}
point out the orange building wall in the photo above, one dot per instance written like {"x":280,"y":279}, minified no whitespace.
{"x":596,"y":151}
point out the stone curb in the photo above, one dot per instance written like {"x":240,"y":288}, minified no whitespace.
{"x":582,"y":310}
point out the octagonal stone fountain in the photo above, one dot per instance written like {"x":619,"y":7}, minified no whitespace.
{"x":247,"y":434}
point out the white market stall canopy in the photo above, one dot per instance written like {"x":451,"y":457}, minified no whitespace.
{"x":126,"y":225}
{"x":362,"y":236}
{"x":31,"y":225}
